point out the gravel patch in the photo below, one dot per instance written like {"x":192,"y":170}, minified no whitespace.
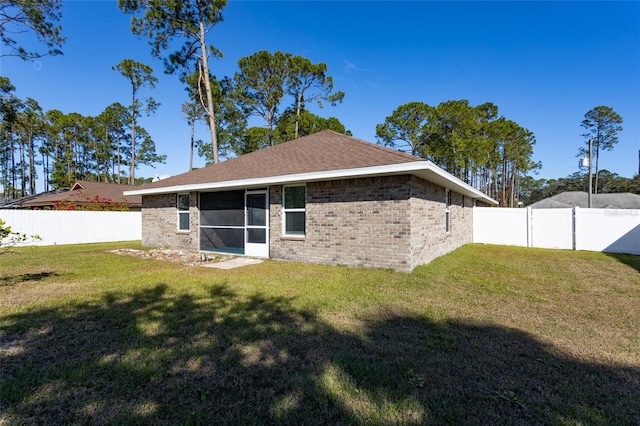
{"x":184,"y":257}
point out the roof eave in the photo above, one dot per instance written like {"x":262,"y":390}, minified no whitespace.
{"x":424,"y":169}
{"x":440,"y":177}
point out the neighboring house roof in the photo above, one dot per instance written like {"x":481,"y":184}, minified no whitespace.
{"x":17,"y":203}
{"x":84,"y":192}
{"x":572,"y":199}
{"x":326,"y":155}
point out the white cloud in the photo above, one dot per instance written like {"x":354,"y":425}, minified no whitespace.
{"x":350,"y":66}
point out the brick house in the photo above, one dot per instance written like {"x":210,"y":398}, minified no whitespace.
{"x":324,"y":198}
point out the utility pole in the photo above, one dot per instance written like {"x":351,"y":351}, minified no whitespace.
{"x":590,"y":180}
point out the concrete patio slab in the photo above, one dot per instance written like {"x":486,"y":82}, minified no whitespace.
{"x":234,"y":263}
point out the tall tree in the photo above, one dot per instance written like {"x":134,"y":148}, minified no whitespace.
{"x":113,"y":122}
{"x":514,"y":145}
{"x":51,"y":148}
{"x":253,"y":139}
{"x":471,"y":142}
{"x":31,"y":125}
{"x":65,"y":167}
{"x":192,"y":115}
{"x":9,"y":107}
{"x":305,"y":123}
{"x":260,"y":86}
{"x":456,"y":131}
{"x":84,"y":147}
{"x":602,"y":124}
{"x":308,"y":82}
{"x":139,"y":75}
{"x":146,"y":153}
{"x":266,"y":80}
{"x":187,"y":20}
{"x":29,"y":16}
{"x":409,"y":126}
{"x":231,"y":122}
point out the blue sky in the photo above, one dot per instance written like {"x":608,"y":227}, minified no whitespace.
{"x":544,"y":64}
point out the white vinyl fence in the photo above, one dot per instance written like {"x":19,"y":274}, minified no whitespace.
{"x":608,"y":230}
{"x":74,"y":227}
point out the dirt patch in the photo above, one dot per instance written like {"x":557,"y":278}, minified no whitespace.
{"x":184,"y":257}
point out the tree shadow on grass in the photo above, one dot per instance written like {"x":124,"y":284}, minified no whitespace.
{"x":630,"y":260}
{"x":16,"y":279}
{"x":153,"y":357}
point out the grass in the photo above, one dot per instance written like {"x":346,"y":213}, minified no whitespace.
{"x":484,"y":335}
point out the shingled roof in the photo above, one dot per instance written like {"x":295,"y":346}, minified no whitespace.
{"x":321,"y":156}
{"x":572,"y":199}
{"x":84,"y":192}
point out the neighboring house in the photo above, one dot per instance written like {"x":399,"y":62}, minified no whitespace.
{"x":324,"y":198}
{"x":84,"y":193}
{"x":17,"y":202}
{"x":572,"y":199}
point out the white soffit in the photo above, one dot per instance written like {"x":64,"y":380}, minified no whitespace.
{"x":424,"y":169}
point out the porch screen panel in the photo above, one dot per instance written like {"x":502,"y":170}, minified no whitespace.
{"x":222,"y":239}
{"x":222,"y":221}
{"x":222,"y":208}
{"x":257,"y":235}
{"x":256,"y":213}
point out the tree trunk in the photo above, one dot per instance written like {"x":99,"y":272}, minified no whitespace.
{"x":595,"y":189}
{"x":132,"y":164}
{"x":45,"y":170}
{"x":23,"y":169}
{"x":106,"y":161}
{"x":512,"y":190}
{"x":298,"y":108}
{"x":505,"y":176}
{"x":193,"y":125}
{"x":13,"y":170}
{"x":207,"y":85}
{"x":69,"y":162}
{"x":5,"y":167}
{"x":32,"y":167}
{"x":119,"y":171}
{"x":270,"y":125}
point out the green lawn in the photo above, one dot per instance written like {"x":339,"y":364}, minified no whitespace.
{"x":485,"y":335}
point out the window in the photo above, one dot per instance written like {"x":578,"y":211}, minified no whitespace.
{"x":447,"y":214}
{"x":183,"y":212}
{"x":294,"y":210}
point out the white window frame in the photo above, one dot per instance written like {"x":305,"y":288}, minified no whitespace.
{"x":182,"y":212}
{"x":447,"y":214}
{"x":297,"y":210}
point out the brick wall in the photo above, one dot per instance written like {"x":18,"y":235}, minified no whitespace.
{"x":354,"y":222}
{"x":385,"y":222}
{"x":428,"y":217}
{"x":160,"y":222}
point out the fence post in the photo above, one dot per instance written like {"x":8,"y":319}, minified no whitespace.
{"x":575,"y":227}
{"x":529,"y":227}
{"x":579,"y":240}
